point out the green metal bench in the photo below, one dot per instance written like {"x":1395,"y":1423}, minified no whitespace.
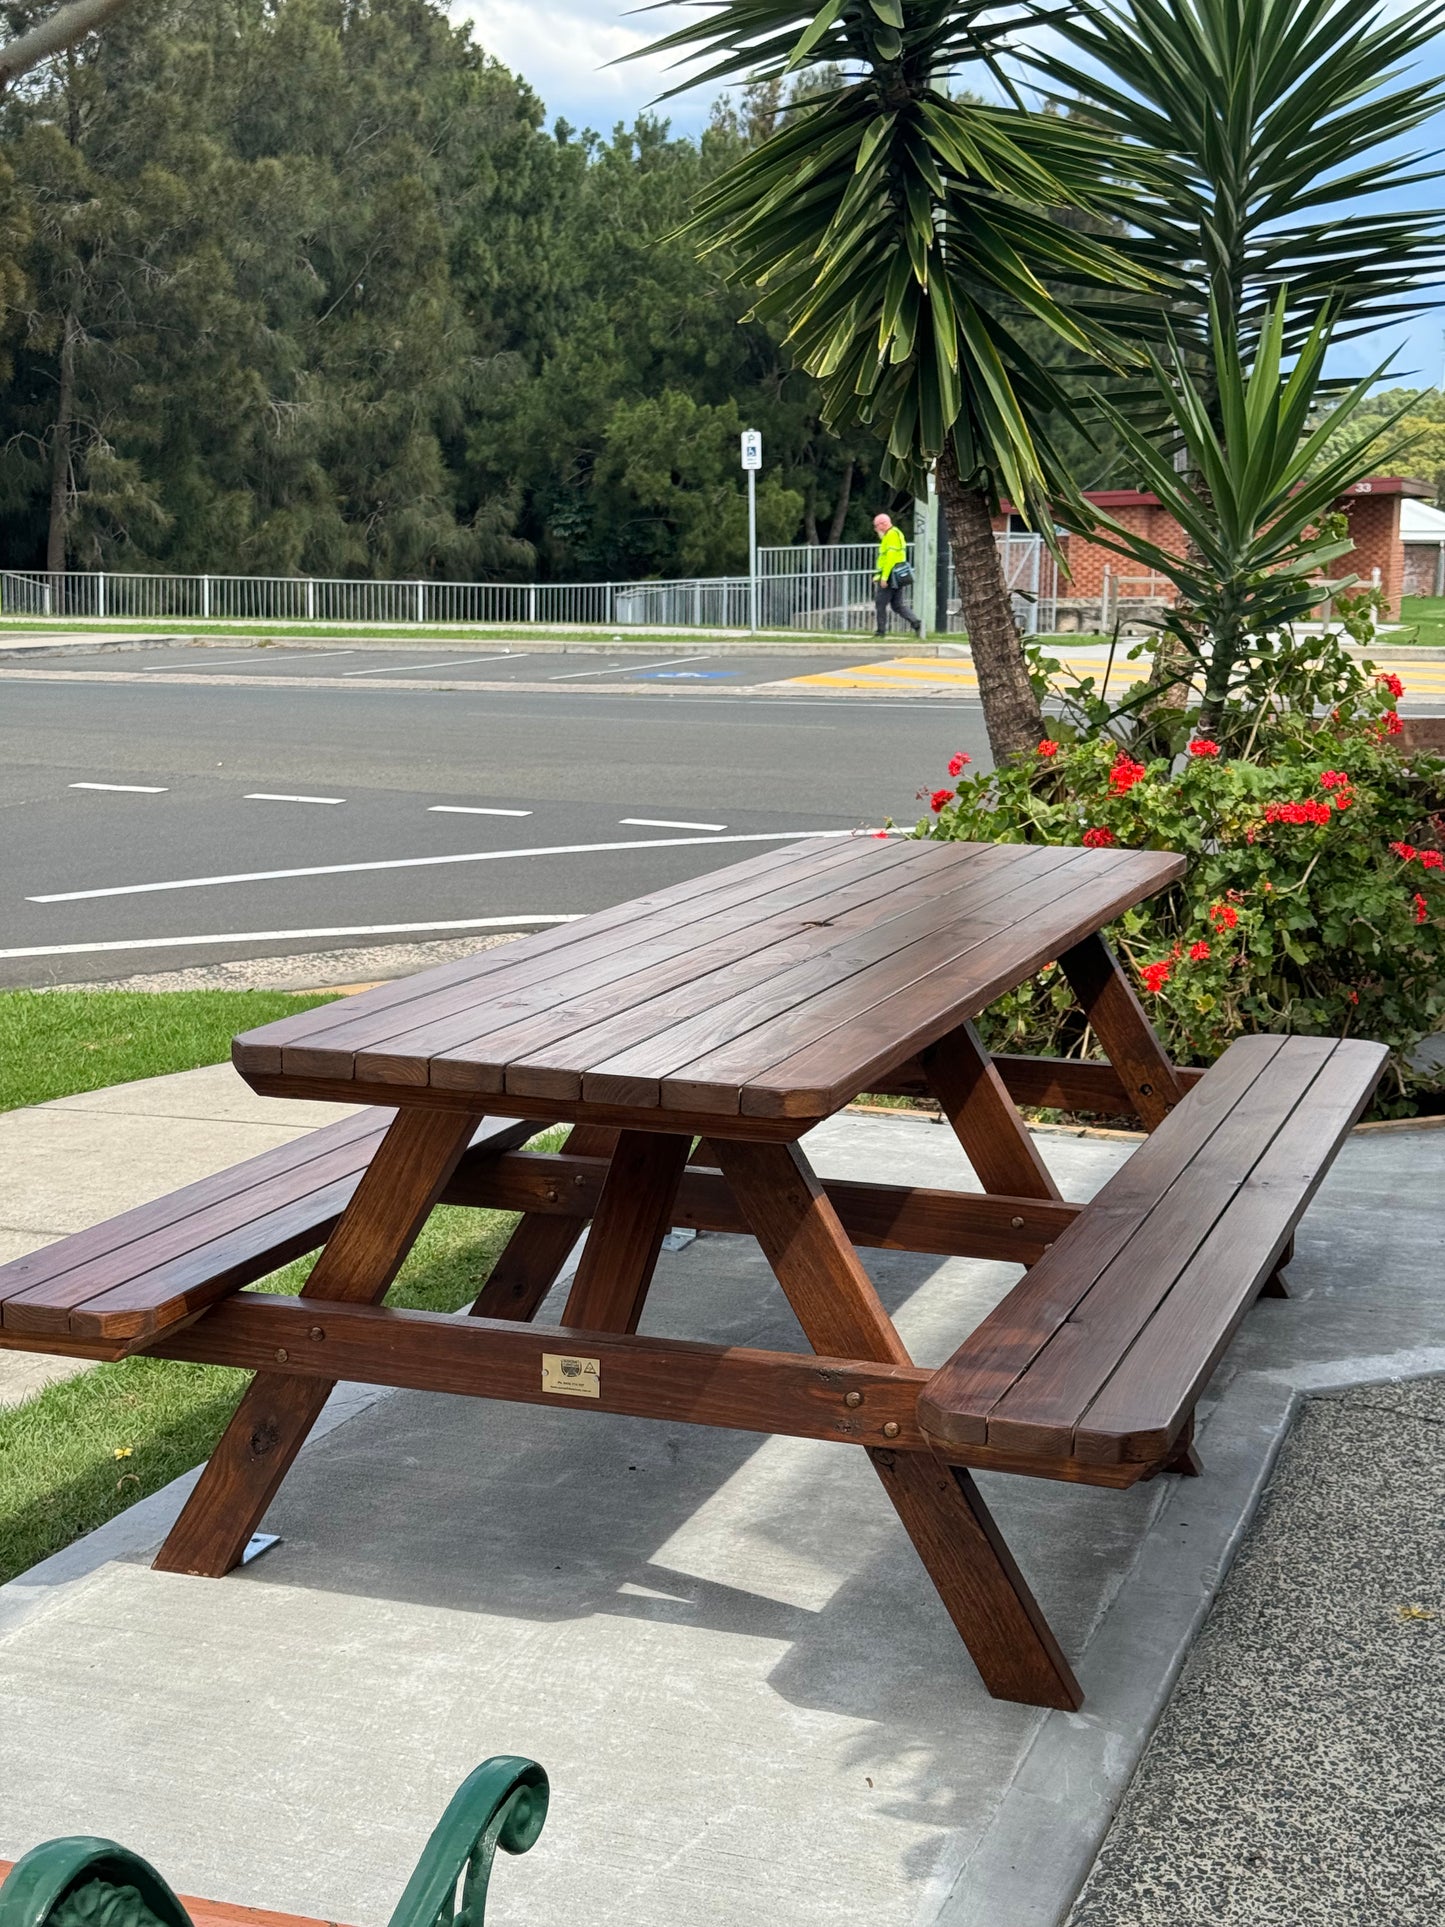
{"x":86,"y":1882}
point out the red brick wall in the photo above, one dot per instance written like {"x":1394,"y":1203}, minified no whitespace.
{"x":1375,"y":530}
{"x":1088,"y":560}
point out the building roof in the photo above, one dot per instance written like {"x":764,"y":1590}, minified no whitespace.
{"x":1421,"y":523}
{"x":1135,"y":498}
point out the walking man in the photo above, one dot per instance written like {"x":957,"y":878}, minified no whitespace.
{"x":891,"y":577}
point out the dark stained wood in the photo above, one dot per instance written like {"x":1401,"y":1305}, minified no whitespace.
{"x":960,"y":1224}
{"x":995,"y":1139}
{"x":1099,"y":1353}
{"x":532,"y":1258}
{"x":1060,"y":1083}
{"x":1108,"y":1001}
{"x":865,"y":1043}
{"x":634,"y":1214}
{"x":799,"y":1394}
{"x":966,"y":1389}
{"x":1184,"y":1460}
{"x":405,"y":1178}
{"x":982,"y":1589}
{"x":261,"y":1050}
{"x":847,"y":928}
{"x":1274,"y":1286}
{"x":522,"y":984}
{"x":1136,"y":1408}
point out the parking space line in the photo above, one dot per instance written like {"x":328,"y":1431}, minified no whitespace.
{"x":265,"y":796}
{"x":288,"y":936}
{"x":129,"y":789}
{"x":415,"y":668}
{"x":662,"y":823}
{"x":469,"y":809}
{"x":627,"y":668}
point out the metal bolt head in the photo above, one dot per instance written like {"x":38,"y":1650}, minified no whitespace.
{"x":890,"y":1430}
{"x":317,"y":1333}
{"x":852,"y":1398}
{"x":1146,"y":1090}
{"x":1017,"y":1223}
{"x":282,"y":1355}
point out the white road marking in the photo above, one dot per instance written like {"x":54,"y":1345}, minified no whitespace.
{"x":149,"y":668}
{"x":286,"y":936}
{"x":130,"y":789}
{"x":265,"y":796}
{"x":469,"y":809}
{"x":626,"y":668}
{"x":662,"y":823}
{"x":401,"y":668}
{"x":428,"y":862}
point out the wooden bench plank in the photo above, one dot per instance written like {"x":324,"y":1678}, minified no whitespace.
{"x":1039,"y":1410}
{"x":966,"y":1389}
{"x":1134,"y":1415}
{"x":137,"y":1276}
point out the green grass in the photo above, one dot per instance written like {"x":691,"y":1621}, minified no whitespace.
{"x":54,"y":1043}
{"x":1426,"y":615}
{"x":81,"y":1451}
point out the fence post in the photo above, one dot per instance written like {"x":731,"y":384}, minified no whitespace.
{"x":310,"y":599}
{"x":531,"y":602}
{"x":421,"y":602}
{"x":100,"y":595}
{"x":205,"y":598}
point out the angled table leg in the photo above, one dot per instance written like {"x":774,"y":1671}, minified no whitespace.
{"x":633,"y":1216}
{"x":986,"y":1596}
{"x":533,"y":1257}
{"x":357,"y":1264}
{"x":995,"y":1139}
{"x":1119,"y":1022}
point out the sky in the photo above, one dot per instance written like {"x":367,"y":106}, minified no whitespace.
{"x":565,"y":48}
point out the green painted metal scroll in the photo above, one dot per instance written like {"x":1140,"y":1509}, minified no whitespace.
{"x":84,"y":1882}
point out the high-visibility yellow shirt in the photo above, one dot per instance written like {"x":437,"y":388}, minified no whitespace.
{"x":892,"y":549}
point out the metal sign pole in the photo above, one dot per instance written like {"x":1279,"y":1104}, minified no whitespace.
{"x":752,"y":460}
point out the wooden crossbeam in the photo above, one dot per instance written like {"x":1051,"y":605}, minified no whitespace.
{"x":1058,"y":1083}
{"x":895,"y":1217}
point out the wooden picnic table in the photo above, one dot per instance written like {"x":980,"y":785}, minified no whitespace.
{"x":690,"y":1039}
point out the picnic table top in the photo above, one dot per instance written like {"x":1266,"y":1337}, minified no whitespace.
{"x":778,"y":988}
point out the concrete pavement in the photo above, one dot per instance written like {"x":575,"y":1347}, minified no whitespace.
{"x":722,"y":1649}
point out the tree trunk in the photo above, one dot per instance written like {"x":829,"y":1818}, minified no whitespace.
{"x":840,"y":510}
{"x":56,"y":540}
{"x":1011,"y":710}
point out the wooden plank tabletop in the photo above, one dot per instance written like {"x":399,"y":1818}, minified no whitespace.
{"x":776,"y":988}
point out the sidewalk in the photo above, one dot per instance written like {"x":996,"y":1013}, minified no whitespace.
{"x":749,"y":1701}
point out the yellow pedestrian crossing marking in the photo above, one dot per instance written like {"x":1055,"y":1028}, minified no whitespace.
{"x":956,"y":674}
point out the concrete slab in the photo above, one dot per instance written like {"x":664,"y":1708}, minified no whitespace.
{"x":214,"y":1093}
{"x":721,"y":1647}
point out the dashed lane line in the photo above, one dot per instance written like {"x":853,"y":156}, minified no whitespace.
{"x":469,"y":809}
{"x":662,"y":823}
{"x":430,"y":862}
{"x":628,"y":668}
{"x":455,"y":662}
{"x":267,"y":796}
{"x":125,"y":789}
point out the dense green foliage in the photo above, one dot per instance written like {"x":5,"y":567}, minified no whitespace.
{"x":306,"y":285}
{"x":1314,"y":895}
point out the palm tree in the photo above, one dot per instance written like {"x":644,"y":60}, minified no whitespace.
{"x":901,"y":234}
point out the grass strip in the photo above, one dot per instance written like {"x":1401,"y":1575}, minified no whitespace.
{"x":81,"y":1451}
{"x":56,"y":1043}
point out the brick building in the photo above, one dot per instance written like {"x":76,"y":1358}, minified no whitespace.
{"x":1373,"y":507}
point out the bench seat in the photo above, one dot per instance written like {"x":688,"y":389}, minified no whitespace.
{"x":1090,"y":1367}
{"x":118,"y":1286}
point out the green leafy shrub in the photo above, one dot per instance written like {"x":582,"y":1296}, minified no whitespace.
{"x":1314,"y":897}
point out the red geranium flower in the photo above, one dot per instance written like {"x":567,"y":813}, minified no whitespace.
{"x":1335,"y":779}
{"x":1307,"y":812}
{"x":1405,"y":851}
{"x":939,"y":800}
{"x":1390,"y":722}
{"x":1432,"y":860}
{"x":1422,"y":909}
{"x":1098,"y":838}
{"x":956,"y":763}
{"x":1202,"y":746}
{"x":1199,"y":952}
{"x":1125,"y":773}
{"x":1393,"y":684}
{"x":1048,"y":747}
{"x":1154,"y":976}
{"x":1223,"y":916}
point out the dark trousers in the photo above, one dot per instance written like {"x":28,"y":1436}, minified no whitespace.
{"x":893,"y":596}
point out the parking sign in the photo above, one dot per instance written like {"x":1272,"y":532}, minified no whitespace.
{"x":752,"y":448}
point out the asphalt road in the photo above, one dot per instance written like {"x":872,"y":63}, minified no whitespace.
{"x":145,"y":812}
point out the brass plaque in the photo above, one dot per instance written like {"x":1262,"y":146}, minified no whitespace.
{"x":572,"y":1377}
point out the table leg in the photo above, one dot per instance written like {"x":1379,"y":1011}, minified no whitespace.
{"x":1119,"y":1022}
{"x":984,"y":1592}
{"x":633,"y":1216}
{"x":357,"y":1264}
{"x":535,"y":1253}
{"x":995,"y":1139}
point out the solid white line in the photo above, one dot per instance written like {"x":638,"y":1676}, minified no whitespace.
{"x":149,"y":668}
{"x":130,"y":789}
{"x":469,"y":809}
{"x":427,"y":862}
{"x":284,"y":936}
{"x":628,"y":668}
{"x":400,"y":668}
{"x":265,"y":796}
{"x":661,"y":823}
